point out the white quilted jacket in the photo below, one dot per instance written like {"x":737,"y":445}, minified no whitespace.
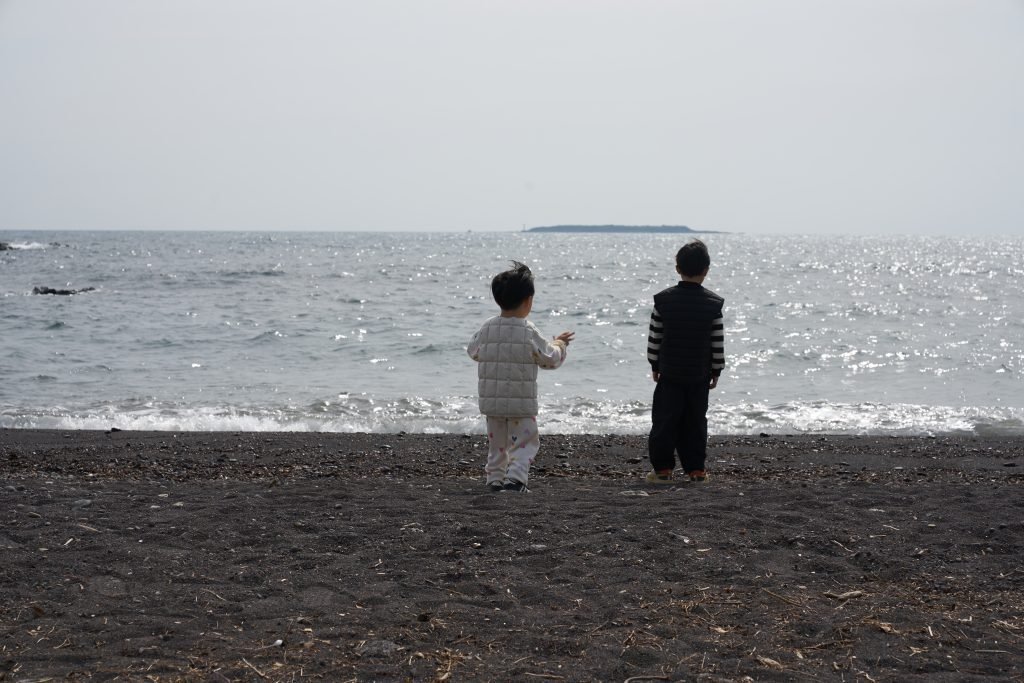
{"x":509,"y":351}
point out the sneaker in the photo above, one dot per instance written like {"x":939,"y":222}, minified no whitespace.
{"x":697,"y":476}
{"x":513,"y":486}
{"x":663,"y":477}
{"x":495,"y":486}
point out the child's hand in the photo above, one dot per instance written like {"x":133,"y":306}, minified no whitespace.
{"x":566,"y":337}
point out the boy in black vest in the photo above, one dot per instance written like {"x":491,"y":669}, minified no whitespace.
{"x":686,"y":350}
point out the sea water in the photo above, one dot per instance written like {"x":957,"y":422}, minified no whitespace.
{"x":367,"y":331}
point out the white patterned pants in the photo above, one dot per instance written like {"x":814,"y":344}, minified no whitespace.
{"x":512,"y":443}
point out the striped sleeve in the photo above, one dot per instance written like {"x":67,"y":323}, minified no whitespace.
{"x":717,"y":346}
{"x":654,"y":338}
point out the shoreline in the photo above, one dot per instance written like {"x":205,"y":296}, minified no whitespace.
{"x":189,"y":555}
{"x":602,"y":455}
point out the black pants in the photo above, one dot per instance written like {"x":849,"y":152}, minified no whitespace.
{"x":679,"y":424}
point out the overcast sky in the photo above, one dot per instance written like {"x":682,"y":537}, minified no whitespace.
{"x":789,"y":116}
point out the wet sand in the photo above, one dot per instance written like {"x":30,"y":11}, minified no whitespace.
{"x":372,"y":557}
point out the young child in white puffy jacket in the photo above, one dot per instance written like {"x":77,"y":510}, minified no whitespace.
{"x":508,"y":350}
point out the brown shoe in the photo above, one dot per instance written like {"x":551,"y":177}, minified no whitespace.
{"x":697,"y":476}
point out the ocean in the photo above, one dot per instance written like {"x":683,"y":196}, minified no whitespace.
{"x":344,"y":332}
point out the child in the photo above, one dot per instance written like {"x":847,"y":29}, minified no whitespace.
{"x":509,"y":348}
{"x":686,"y":351}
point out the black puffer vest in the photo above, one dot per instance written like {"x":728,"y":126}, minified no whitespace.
{"x":687,"y":311}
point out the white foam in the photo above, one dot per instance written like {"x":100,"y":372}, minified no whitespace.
{"x":25,"y":245}
{"x":460,"y":416}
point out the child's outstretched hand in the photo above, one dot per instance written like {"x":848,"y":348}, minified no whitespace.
{"x":566,"y":337}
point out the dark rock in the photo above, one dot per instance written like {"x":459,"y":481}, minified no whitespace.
{"x":61,"y":292}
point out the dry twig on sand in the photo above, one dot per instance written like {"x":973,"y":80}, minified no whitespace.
{"x":258,"y":672}
{"x":843,"y":596}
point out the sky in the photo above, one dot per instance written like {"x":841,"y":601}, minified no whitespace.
{"x":788,"y":117}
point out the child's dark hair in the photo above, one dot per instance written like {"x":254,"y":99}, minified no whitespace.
{"x":512,"y":287}
{"x":693,"y":258}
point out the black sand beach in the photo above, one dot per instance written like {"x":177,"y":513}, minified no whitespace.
{"x":375,"y":557}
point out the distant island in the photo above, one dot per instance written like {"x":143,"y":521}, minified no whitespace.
{"x":620,"y":228}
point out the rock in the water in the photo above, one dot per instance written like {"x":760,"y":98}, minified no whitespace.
{"x":61,"y":292}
